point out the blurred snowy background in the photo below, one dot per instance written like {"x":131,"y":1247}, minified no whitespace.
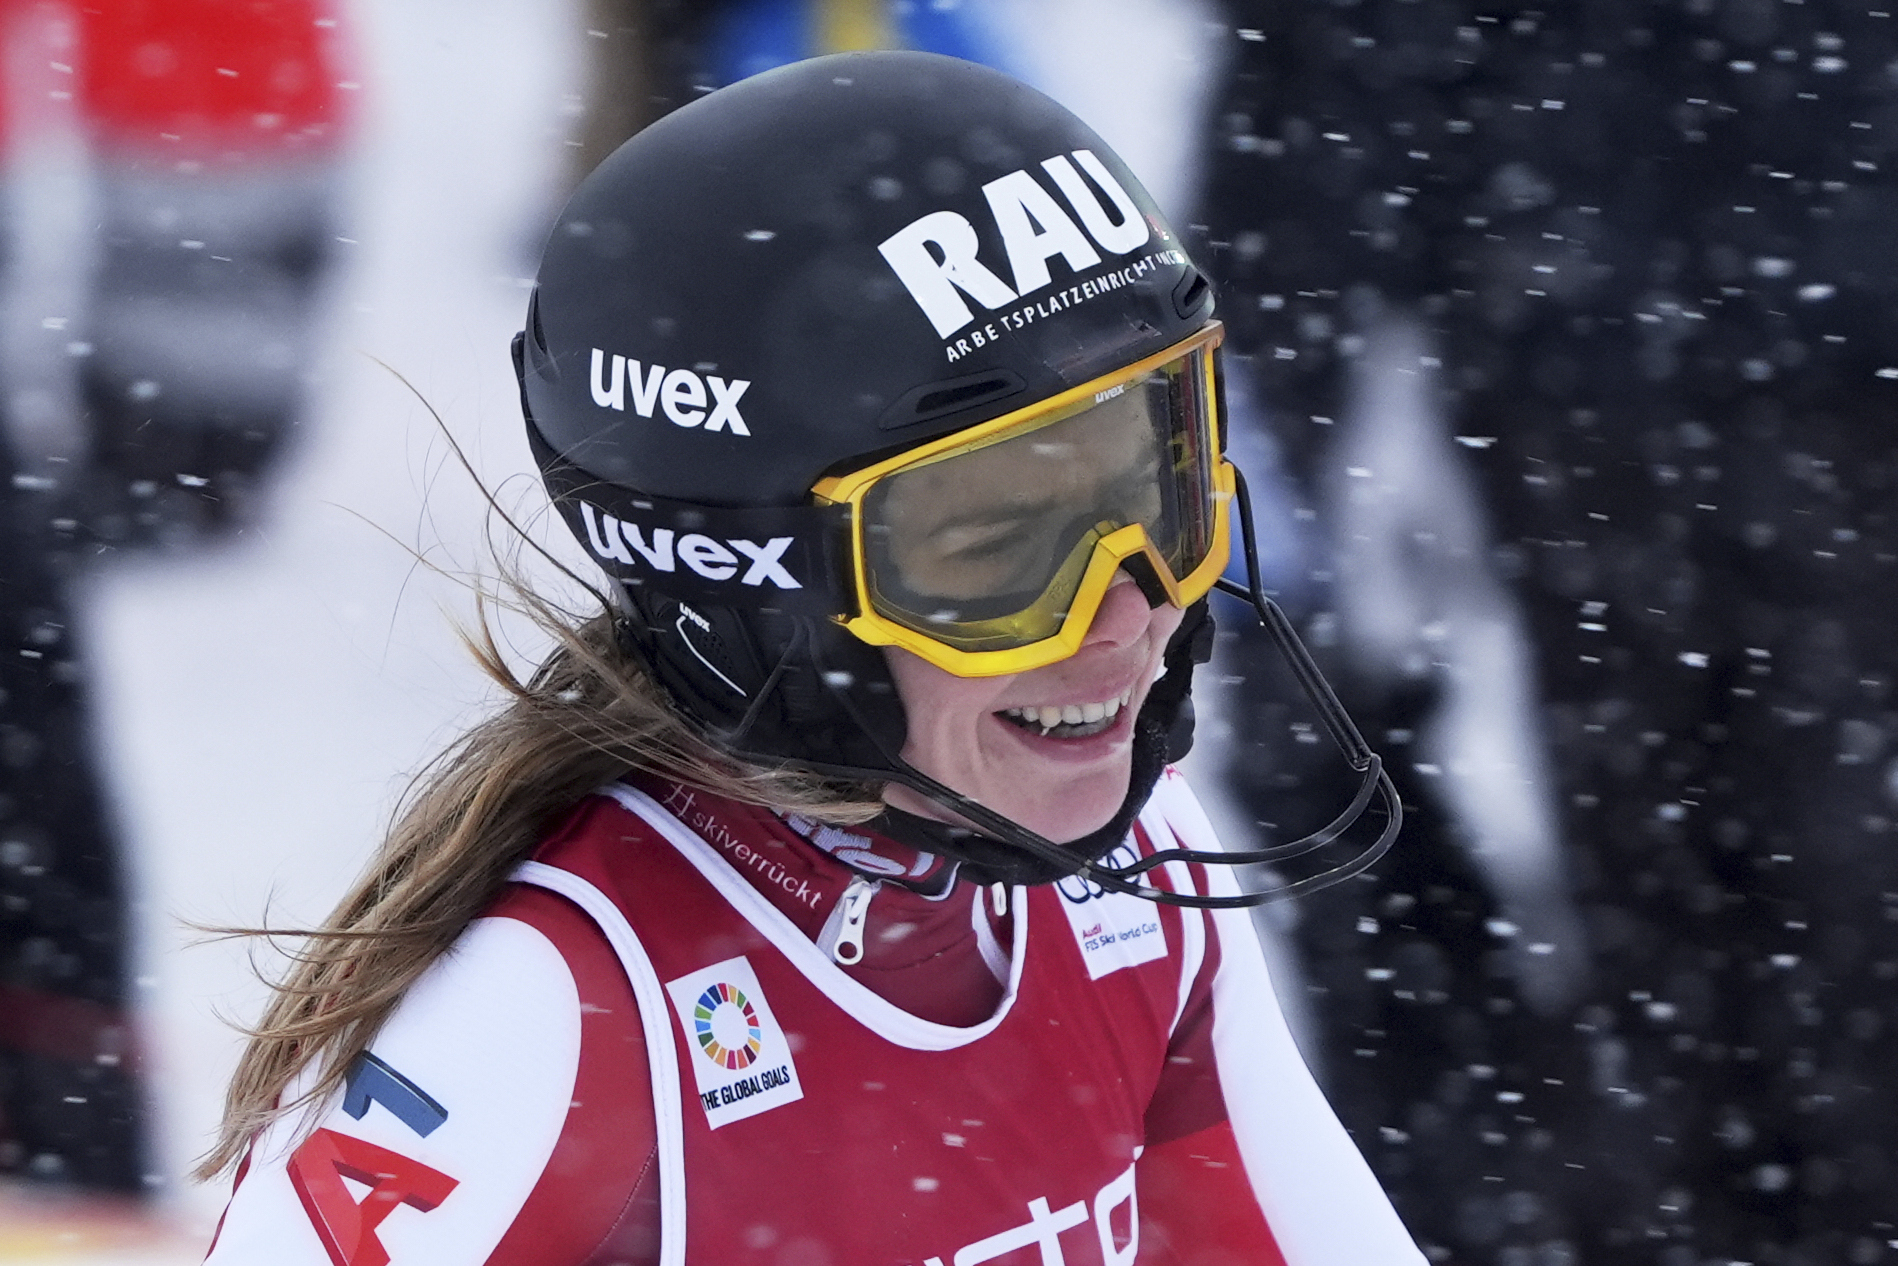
{"x":258,"y":694}
{"x":1564,"y":367}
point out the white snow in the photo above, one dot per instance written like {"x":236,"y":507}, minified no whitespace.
{"x":261,"y":705}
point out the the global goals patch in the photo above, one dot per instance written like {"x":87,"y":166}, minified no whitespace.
{"x":739,"y":1057}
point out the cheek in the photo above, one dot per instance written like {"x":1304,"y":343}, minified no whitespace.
{"x":1166,"y":622}
{"x":943,"y":712}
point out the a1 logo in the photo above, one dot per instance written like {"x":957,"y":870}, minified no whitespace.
{"x":345,"y":1225}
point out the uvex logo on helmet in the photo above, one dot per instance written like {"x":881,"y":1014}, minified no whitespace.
{"x":935,"y":256}
{"x":663,"y":549}
{"x":680,"y":393}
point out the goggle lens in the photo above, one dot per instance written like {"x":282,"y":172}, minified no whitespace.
{"x":984,"y":546}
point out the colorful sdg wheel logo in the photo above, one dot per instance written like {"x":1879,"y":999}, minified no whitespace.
{"x":727,"y":1027}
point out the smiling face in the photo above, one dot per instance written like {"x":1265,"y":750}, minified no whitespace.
{"x":1052,"y":748}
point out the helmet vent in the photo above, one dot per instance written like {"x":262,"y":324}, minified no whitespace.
{"x":961,"y":397}
{"x":951,"y":395}
{"x":1190,"y":293}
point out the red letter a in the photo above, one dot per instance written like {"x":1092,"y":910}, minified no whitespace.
{"x":348,"y":1229}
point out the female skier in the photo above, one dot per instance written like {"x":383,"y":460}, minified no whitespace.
{"x":828,"y":899}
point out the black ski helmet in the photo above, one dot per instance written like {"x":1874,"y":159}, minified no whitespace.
{"x":778,"y":247}
{"x":796,"y":275}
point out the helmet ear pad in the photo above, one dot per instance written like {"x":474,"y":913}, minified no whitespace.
{"x":1191,"y":646}
{"x":708,"y":665}
{"x":768,"y":685}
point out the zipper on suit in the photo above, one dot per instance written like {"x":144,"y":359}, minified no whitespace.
{"x":843,"y":932}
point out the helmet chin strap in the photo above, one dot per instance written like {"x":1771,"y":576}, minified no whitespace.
{"x":999,"y":849}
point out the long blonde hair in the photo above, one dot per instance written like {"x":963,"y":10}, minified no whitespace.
{"x":587,"y":715}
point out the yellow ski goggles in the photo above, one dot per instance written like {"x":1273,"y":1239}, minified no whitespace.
{"x":990,"y":550}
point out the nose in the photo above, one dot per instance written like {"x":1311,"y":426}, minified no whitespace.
{"x":1122,"y":616}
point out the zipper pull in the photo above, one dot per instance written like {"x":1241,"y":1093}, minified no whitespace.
{"x":851,"y":917}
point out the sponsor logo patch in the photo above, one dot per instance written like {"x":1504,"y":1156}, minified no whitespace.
{"x":1115,"y":1223}
{"x":345,"y":1223}
{"x":686,"y":397}
{"x":1113,"y":929}
{"x":935,"y":256}
{"x":662,"y":549}
{"x":740,"y":1059}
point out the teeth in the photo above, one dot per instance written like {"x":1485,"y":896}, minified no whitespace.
{"x":1049,"y":716}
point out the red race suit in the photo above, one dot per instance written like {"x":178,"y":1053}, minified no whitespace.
{"x":663,"y":1046}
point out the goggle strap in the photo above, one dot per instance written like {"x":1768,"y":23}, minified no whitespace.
{"x":784,"y":558}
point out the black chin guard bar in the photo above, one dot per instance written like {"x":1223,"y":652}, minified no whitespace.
{"x":1337,"y":723}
